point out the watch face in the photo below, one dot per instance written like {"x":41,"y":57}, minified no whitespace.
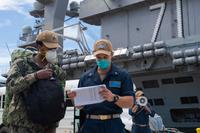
{"x":116,"y":98}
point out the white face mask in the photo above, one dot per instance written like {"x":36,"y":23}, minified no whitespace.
{"x":51,"y":56}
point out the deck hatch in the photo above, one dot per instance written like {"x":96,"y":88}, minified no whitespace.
{"x":167,"y":81}
{"x":150,"y":84}
{"x":189,"y":100}
{"x":185,"y":115}
{"x":180,"y":80}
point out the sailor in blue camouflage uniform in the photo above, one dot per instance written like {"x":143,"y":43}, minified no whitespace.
{"x":22,"y":74}
{"x":105,"y":117}
{"x":140,"y":116}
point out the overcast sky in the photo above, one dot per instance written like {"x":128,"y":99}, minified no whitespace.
{"x":14,"y":14}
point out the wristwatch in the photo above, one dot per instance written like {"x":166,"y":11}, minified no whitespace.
{"x":115,"y":98}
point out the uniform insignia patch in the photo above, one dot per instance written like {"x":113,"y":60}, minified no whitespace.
{"x":116,"y":84}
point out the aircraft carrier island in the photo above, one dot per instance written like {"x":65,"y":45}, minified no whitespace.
{"x":156,"y":41}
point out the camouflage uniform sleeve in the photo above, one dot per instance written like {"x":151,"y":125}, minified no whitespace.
{"x":61,"y":74}
{"x":8,"y":98}
{"x":17,"y":81}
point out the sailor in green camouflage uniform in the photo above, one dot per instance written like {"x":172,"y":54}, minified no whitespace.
{"x":16,"y":54}
{"x":22,"y":74}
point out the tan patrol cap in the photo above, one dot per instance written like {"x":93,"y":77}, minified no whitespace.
{"x":139,"y":93}
{"x":102,"y":46}
{"x":49,"y":39}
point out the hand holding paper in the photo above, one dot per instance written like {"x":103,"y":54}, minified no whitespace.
{"x":106,"y":94}
{"x":71,"y":94}
{"x":88,"y":95}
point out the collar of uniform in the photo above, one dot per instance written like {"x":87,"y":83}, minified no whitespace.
{"x":32,"y":62}
{"x":114,"y":70}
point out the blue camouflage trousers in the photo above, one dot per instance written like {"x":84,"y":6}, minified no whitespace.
{"x":138,"y":129}
{"x":103,"y":126}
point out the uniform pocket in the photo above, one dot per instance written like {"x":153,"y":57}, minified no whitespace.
{"x":115,"y":90}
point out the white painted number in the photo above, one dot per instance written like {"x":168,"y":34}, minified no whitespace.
{"x":179,"y":18}
{"x":162,"y":7}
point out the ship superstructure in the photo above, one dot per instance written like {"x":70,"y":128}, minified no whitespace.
{"x":157,"y":41}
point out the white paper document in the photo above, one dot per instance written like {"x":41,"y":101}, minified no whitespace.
{"x":88,"y":95}
{"x":71,"y":84}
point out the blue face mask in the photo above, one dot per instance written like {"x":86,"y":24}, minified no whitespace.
{"x":103,"y":64}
